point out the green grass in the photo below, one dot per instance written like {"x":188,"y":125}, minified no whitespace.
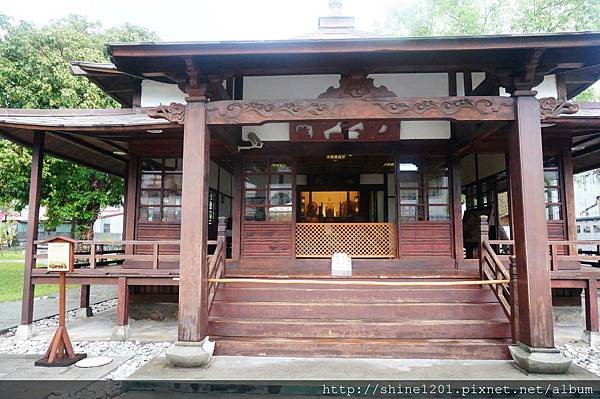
{"x":11,"y":283}
{"x":11,"y":254}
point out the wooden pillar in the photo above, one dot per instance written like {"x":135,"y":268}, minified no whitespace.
{"x":530,"y":235}
{"x":236,"y":212}
{"x":457,"y":226}
{"x":84,"y":301}
{"x":130,"y":202}
{"x":591,"y":305}
{"x":193,"y":284}
{"x":569,"y":198}
{"x":122,"y":302}
{"x":33,"y":218}
{"x":398,"y":210}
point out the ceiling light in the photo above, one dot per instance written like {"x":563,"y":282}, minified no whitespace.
{"x":388,"y":165}
{"x":118,"y":152}
{"x":154,"y":131}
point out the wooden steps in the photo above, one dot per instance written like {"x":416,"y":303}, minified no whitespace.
{"x":358,"y":321}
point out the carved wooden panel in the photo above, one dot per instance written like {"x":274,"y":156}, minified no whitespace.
{"x":351,"y":109}
{"x":359,"y":240}
{"x":425,"y":239}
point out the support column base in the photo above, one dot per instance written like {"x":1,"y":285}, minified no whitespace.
{"x":190,"y":354}
{"x":83,"y":313}
{"x":25,"y":332}
{"x":539,"y":360}
{"x":591,"y":337}
{"x":120,"y":333}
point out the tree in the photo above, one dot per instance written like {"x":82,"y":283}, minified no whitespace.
{"x":34,"y":73}
{"x":482,"y":17}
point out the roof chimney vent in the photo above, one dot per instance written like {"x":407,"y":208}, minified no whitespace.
{"x":336,"y":22}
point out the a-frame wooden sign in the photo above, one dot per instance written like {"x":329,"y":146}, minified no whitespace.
{"x":61,"y":259}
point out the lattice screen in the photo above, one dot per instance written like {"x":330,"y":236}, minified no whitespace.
{"x":359,"y":240}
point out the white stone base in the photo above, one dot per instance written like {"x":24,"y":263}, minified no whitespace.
{"x":539,"y":360}
{"x":83,"y":313}
{"x":190,"y":354}
{"x":120,"y":333}
{"x":591,"y":337}
{"x":25,"y":332}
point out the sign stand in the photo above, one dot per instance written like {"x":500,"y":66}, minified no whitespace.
{"x":61,"y":259}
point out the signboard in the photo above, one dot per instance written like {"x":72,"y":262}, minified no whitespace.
{"x":332,"y":131}
{"x":59,"y":256}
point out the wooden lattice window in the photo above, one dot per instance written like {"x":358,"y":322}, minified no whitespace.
{"x":423,"y":190}
{"x":160,"y":190}
{"x":268,"y":190}
{"x":553,"y":188}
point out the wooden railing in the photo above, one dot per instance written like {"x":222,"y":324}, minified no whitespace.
{"x":360,"y":240}
{"x":93,"y":253}
{"x":217,"y":261}
{"x":492,"y":268}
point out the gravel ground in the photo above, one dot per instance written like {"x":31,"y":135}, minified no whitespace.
{"x":587,"y":357}
{"x":140,"y":352}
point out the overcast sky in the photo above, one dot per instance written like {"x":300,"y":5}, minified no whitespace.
{"x":189,"y":20}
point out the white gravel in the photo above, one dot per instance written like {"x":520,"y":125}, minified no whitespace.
{"x":139,"y":352}
{"x":587,"y":357}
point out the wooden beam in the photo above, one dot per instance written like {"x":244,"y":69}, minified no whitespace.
{"x":193,"y":285}
{"x":483,"y":132}
{"x":122,"y":302}
{"x":427,"y":108}
{"x":530,"y":235}
{"x":33,"y":219}
{"x":79,"y":143}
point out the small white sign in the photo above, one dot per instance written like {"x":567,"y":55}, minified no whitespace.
{"x":59,"y":256}
{"x":341,"y":265}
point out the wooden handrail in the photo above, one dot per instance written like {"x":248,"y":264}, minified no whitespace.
{"x":355,"y":282}
{"x":492,"y":269}
{"x":217,"y":261}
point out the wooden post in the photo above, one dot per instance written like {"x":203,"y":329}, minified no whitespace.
{"x":591,"y":305}
{"x":457,"y":226}
{"x":514,"y":294}
{"x":569,"y":200}
{"x":33,"y":218}
{"x":530,"y":233}
{"x":193,"y":284}
{"x":122,"y":302}
{"x":131,"y":202}
{"x":484,"y":235}
{"x":236,"y":212}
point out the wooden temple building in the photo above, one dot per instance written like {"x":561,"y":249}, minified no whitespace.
{"x":443,"y":166}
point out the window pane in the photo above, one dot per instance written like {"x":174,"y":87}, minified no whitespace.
{"x":552,"y":195}
{"x":411,"y":213}
{"x":280,"y":214}
{"x":149,"y":214}
{"x":408,"y":179}
{"x":172,"y":198}
{"x":151,"y":180}
{"x":551,"y":178}
{"x":173,"y":182}
{"x":150,"y":165}
{"x":256,"y":182}
{"x":437,"y":171}
{"x":280,"y":198}
{"x":150,"y":197}
{"x":553,"y":212}
{"x":256,"y":197}
{"x":254,"y":214}
{"x":281,"y":181}
{"x":409,"y":196}
{"x":173,"y":165}
{"x":437,"y":181}
{"x":280,"y":166}
{"x":256,"y":165}
{"x":437,"y":196}
{"x":439,"y":213}
{"x":171,"y":215}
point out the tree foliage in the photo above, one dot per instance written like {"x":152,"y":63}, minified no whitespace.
{"x":35,"y":73}
{"x":483,"y":17}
